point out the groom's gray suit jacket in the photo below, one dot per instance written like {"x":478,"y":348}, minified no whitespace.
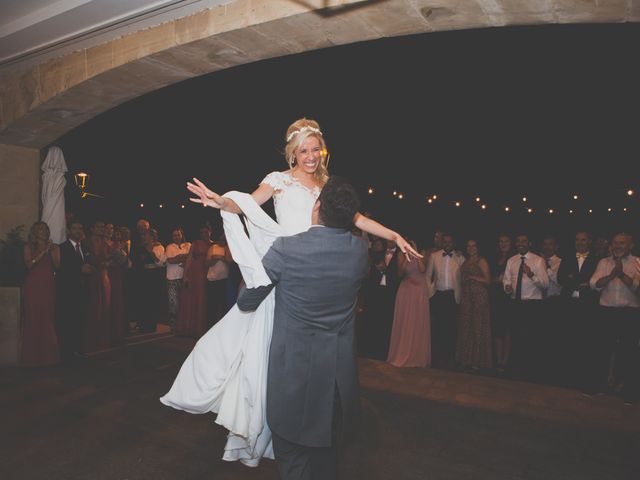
{"x":317,"y":275}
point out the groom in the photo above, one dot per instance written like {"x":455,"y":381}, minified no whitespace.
{"x":312,"y":384}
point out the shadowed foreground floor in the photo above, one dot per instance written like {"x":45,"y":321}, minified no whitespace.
{"x":101,"y":419}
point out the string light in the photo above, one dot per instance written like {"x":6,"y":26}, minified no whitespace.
{"x":477,"y":199}
{"x":591,"y":210}
{"x":161,"y":206}
{"x":524,"y":199}
{"x":507,"y":209}
{"x":458,"y":204}
{"x":529,"y":210}
{"x":370,"y":190}
{"x":142,"y":205}
{"x":181,"y":206}
{"x":395,"y":193}
{"x":571,"y":211}
{"x":435,"y":197}
{"x":430,"y":200}
{"x":609,"y":209}
{"x":551,"y":210}
{"x":400,"y":196}
{"x":484,"y":207}
{"x":575,"y":197}
{"x":625,"y":209}
{"x":630,"y":192}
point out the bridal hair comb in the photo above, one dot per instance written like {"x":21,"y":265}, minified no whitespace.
{"x":303,"y":129}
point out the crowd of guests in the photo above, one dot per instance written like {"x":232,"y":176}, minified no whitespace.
{"x":88,"y":293}
{"x":571,"y":321}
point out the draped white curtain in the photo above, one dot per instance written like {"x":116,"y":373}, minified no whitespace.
{"x":53,"y":183}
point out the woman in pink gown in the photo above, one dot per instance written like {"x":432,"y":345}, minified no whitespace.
{"x":39,"y":339}
{"x":192,"y":313}
{"x":410,"y":344}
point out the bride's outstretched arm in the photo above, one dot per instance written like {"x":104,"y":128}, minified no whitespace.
{"x":374,"y":228}
{"x":209,"y":198}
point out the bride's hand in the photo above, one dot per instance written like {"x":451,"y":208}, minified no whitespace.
{"x":206,"y":197}
{"x":406,"y":248}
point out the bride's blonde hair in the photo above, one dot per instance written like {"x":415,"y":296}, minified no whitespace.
{"x":297,"y":133}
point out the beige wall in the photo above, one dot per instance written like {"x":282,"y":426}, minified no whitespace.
{"x":19,"y":187}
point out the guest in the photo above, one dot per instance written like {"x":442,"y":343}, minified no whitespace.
{"x":39,"y":339}
{"x":117,"y":264}
{"x":109,"y":231}
{"x":128,"y":287}
{"x":581,"y":334}
{"x":217,"y":263}
{"x":500,"y":304}
{"x":443,"y":278}
{"x":192,"y":313}
{"x":150,"y":288}
{"x":72,"y":293}
{"x":380,"y":318}
{"x":553,"y":330}
{"x":526,"y":280}
{"x":136,"y":253}
{"x":410,"y":344}
{"x":474,"y":330}
{"x":176,"y":256}
{"x":617,"y":278}
{"x":98,"y":332}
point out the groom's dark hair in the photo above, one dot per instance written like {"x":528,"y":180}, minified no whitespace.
{"x":339,"y":203}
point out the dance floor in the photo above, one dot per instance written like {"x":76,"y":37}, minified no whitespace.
{"x":100,"y":419}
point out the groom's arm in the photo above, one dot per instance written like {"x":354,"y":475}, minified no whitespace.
{"x":250,"y":298}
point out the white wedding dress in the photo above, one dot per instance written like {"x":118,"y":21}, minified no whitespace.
{"x":226,"y":373}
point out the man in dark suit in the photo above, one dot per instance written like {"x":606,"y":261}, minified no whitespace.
{"x":312,"y":383}
{"x":72,"y":293}
{"x":577,"y":328}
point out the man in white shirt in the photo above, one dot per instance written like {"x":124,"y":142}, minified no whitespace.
{"x":218,"y":260}
{"x":175,"y":256}
{"x":617,"y":277}
{"x":526,"y":279}
{"x":552,"y":326}
{"x":443,"y":277}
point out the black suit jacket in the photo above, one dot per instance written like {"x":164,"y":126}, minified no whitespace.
{"x":570,"y":278}
{"x":391,"y":273}
{"x":69,"y":277}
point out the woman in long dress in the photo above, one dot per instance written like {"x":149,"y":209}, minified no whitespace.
{"x":474,"y":327}
{"x":226,"y":371}
{"x":410,"y":344}
{"x":39,"y":339}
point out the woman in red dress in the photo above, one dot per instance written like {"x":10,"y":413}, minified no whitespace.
{"x":98,"y":333}
{"x":192,"y":315}
{"x":39,"y":339}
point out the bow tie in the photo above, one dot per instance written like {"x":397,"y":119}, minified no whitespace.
{"x":445,"y":254}
{"x":582,"y":255}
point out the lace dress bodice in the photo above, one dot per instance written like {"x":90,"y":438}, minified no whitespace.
{"x":293,"y":202}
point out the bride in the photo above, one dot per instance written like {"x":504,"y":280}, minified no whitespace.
{"x":226,"y":371}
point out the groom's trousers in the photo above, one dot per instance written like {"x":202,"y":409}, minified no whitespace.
{"x":298,"y":462}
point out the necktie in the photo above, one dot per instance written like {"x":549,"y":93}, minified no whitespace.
{"x":519,"y":281}
{"x":582,"y":255}
{"x":78,"y":251}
